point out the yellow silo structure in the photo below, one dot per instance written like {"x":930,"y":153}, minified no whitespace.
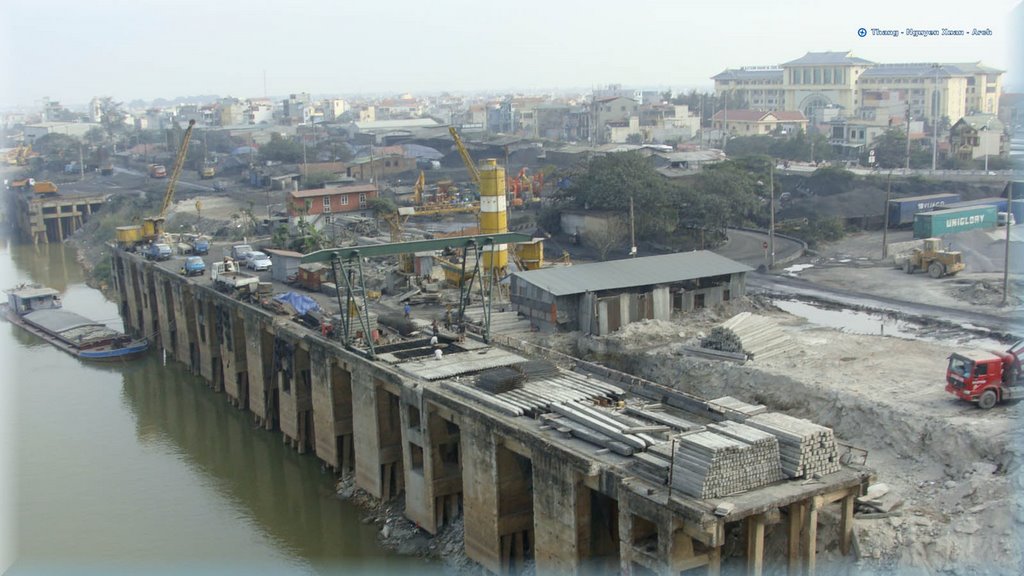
{"x":493,"y":215}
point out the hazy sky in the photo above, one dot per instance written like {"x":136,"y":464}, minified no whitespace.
{"x":72,"y":50}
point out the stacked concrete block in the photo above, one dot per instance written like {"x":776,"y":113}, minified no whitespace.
{"x":712,"y":465}
{"x":806,"y":449}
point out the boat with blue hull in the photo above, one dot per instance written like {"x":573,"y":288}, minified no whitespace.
{"x":38,"y":310}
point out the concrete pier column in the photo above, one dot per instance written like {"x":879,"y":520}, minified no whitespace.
{"x":181,"y":302}
{"x":480,"y":495}
{"x":297,"y":401}
{"x":366,"y":439}
{"x":233,"y":357}
{"x":332,"y":407}
{"x":561,"y":515}
{"x":259,"y":358}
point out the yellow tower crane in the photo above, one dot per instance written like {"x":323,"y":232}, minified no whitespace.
{"x":152,"y":227}
{"x":474,"y":174}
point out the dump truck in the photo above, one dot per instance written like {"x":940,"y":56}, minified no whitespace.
{"x":207,"y":172}
{"x":157,"y":251}
{"x":933,"y":259}
{"x":986,"y":377}
{"x":37,"y":187}
{"x":227,"y":278}
{"x":157,"y":171}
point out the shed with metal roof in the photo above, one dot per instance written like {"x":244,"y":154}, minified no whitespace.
{"x":601,"y":297}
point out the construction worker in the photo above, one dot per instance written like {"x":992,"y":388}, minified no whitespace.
{"x":408,"y":310}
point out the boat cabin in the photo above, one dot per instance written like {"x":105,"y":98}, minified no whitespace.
{"x":26,"y":298}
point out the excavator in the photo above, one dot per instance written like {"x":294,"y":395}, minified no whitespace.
{"x":152,"y":227}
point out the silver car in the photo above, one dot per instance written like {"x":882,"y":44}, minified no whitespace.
{"x":257,"y":261}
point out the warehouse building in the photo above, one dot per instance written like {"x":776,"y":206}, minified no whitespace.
{"x":600,"y":298}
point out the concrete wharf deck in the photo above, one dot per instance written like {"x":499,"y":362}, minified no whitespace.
{"x":406,"y":426}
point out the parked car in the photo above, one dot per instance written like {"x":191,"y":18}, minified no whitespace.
{"x":257,"y":261}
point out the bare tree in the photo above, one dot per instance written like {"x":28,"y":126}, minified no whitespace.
{"x":614,"y":233}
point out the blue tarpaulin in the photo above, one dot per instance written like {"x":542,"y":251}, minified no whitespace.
{"x":300,"y":302}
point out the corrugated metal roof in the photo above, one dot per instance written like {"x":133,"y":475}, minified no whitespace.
{"x":618,"y":274}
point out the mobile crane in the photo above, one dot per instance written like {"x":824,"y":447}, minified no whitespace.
{"x":152,"y":227}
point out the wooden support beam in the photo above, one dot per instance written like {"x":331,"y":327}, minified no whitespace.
{"x":846,"y":523}
{"x":715,"y":562}
{"x":796,"y":518}
{"x":755,"y":545}
{"x":810,"y":539}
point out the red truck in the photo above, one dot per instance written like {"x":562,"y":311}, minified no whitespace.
{"x":986,"y":377}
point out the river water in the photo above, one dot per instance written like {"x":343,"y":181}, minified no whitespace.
{"x":140,"y":468}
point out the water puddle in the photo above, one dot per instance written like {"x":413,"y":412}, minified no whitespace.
{"x":878,"y":324}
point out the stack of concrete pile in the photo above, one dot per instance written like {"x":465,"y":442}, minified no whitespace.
{"x":713,"y":465}
{"x":807,"y":449}
{"x":760,"y":336}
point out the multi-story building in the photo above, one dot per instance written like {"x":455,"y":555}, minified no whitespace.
{"x":334,"y":108}
{"x":820,"y":80}
{"x":317,"y":206}
{"x":617,"y":91}
{"x":297,"y":108}
{"x":978,"y":136}
{"x":259,"y":112}
{"x":232,"y":112}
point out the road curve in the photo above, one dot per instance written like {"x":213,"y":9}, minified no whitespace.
{"x":747,"y":246}
{"x":1007,"y":324}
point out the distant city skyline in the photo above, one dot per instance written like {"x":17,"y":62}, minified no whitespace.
{"x":148,"y":49}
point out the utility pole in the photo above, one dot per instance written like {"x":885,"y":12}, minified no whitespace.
{"x":937,"y":99}
{"x":81,"y":163}
{"x":907,"y":167}
{"x":1006,"y":256}
{"x":885,"y":216}
{"x":632,"y":231}
{"x":771,"y":222}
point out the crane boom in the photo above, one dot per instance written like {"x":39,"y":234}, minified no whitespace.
{"x":176,"y":171}
{"x":473,"y":172}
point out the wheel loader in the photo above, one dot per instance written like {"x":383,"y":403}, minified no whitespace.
{"x":934,"y":260}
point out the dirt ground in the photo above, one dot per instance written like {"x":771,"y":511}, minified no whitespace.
{"x":855,"y":263}
{"x":956,"y":468}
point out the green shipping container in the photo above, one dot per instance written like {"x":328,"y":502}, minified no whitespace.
{"x":942,"y":222}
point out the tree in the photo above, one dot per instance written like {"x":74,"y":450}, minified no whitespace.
{"x":112,"y":117}
{"x":608,"y":182}
{"x":57,"y":150}
{"x":281,"y":150}
{"x":95,"y":135}
{"x":604,"y":240}
{"x":890,"y":150}
{"x":635,"y":139}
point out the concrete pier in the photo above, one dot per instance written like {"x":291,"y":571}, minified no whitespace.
{"x":52,"y":218}
{"x":526,"y":491}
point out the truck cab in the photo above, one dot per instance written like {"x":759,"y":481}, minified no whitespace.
{"x":984,"y":377}
{"x":158,"y":252}
{"x":193,"y":266}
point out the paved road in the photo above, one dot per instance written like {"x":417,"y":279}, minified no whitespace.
{"x":748,"y":247}
{"x":798,"y":286}
{"x":182,"y":183}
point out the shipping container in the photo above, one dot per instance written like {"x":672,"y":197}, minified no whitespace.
{"x":1017,"y":209}
{"x":999,"y":203}
{"x":901,"y":210}
{"x":942,"y":222}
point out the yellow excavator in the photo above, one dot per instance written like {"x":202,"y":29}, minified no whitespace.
{"x":152,"y":227}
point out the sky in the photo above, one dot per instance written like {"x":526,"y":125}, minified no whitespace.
{"x":73,"y":50}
